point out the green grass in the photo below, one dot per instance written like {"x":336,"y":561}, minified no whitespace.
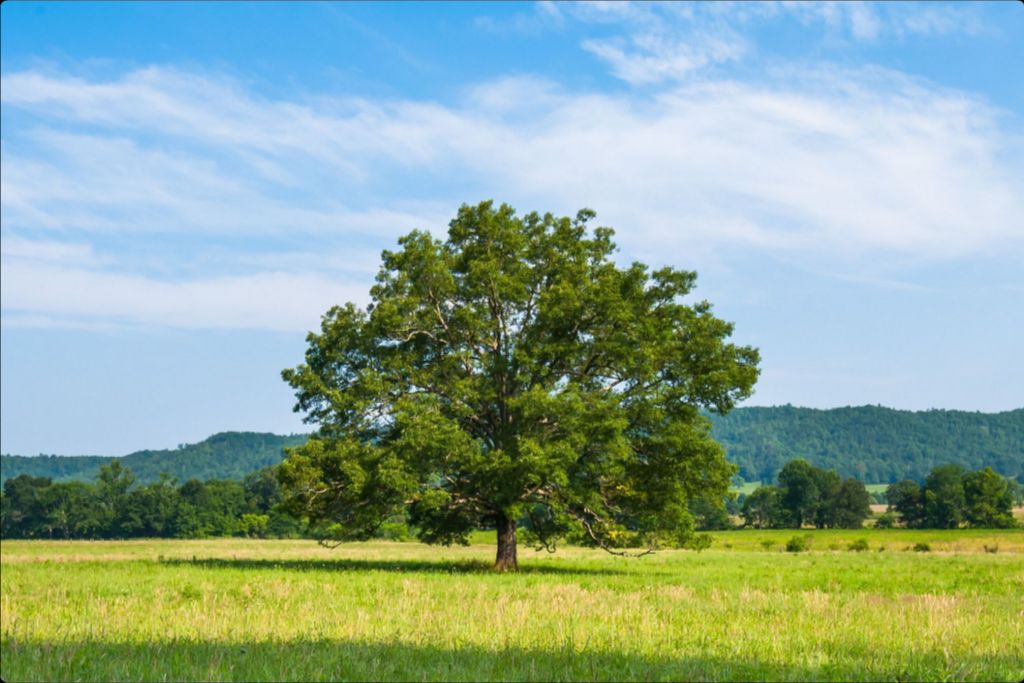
{"x":290,"y":610}
{"x":749,"y":487}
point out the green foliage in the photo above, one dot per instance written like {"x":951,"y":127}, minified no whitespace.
{"x":710,"y":514}
{"x":922,"y":547}
{"x":886,"y":520}
{"x":952,"y":497}
{"x":699,"y":542}
{"x":870,"y":443}
{"x":228,"y":455}
{"x":798,"y":544}
{"x":807,"y":495}
{"x":514,"y":372}
{"x":801,"y":496}
{"x":988,"y":500}
{"x":943,"y":497}
{"x":762,"y":509}
{"x":858,"y":545}
{"x":117,"y":507}
{"x":253,"y":526}
{"x":851,"y":505}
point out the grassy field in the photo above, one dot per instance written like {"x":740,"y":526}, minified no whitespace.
{"x":290,"y":610}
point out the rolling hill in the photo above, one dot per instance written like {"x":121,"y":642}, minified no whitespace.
{"x":871,"y":443}
{"x":228,"y":455}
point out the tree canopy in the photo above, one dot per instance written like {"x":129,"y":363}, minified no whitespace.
{"x":514,"y":372}
{"x":952,"y":497}
{"x":808,"y":495}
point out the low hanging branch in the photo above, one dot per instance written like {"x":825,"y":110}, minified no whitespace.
{"x":600,"y":542}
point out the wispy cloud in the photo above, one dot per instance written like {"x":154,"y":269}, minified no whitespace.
{"x":857,"y":167}
{"x":267,"y":300}
{"x":664,"y":42}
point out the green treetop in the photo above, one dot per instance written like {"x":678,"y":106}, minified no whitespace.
{"x":514,"y":372}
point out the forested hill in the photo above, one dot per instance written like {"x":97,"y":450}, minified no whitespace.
{"x":871,"y":443}
{"x":228,"y":455}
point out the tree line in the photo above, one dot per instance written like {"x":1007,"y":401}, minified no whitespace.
{"x":116,"y":506}
{"x":951,"y":497}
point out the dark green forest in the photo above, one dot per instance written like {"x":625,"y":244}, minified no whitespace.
{"x":873,"y":444}
{"x":870,"y":443}
{"x":228,"y":455}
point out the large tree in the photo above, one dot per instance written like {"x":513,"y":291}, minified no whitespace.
{"x":514,"y":373}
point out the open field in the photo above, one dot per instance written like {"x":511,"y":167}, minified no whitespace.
{"x":273,"y":610}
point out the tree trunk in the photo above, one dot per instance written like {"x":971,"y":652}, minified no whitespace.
{"x":506,"y":560}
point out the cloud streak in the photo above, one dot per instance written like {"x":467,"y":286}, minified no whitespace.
{"x":866,"y":168}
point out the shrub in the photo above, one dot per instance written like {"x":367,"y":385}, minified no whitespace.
{"x":394,"y":531}
{"x":698,"y":542}
{"x":253,"y":526}
{"x":858,"y":546}
{"x":887,"y":520}
{"x":798,"y":544}
{"x":922,"y":548}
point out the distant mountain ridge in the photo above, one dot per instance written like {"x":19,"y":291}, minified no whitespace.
{"x":872,"y":443}
{"x":227,"y":455}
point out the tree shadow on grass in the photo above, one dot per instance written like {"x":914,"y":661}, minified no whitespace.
{"x":324,"y":659}
{"x":402,"y":566}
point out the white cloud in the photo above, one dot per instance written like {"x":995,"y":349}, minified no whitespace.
{"x":663,"y":42}
{"x":38,"y":293}
{"x":47,"y":251}
{"x":852,"y":167}
{"x":868,"y":22}
{"x":655,"y":57}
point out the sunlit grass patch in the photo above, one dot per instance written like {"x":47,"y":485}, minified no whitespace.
{"x":290,"y":610}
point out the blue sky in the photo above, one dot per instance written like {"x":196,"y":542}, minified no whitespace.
{"x":186,"y":187}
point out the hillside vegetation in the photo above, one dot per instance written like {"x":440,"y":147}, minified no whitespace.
{"x":228,"y":455}
{"x":870,"y":443}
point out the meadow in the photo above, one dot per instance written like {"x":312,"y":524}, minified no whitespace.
{"x":233,"y":609}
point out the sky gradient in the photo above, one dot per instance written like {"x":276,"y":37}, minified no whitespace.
{"x":187,"y":187}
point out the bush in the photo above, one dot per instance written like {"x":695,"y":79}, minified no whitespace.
{"x":922,"y":548}
{"x":858,"y":546}
{"x":698,"y":542}
{"x":887,"y":520}
{"x":253,"y":526}
{"x":394,"y":531}
{"x":798,"y":544}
